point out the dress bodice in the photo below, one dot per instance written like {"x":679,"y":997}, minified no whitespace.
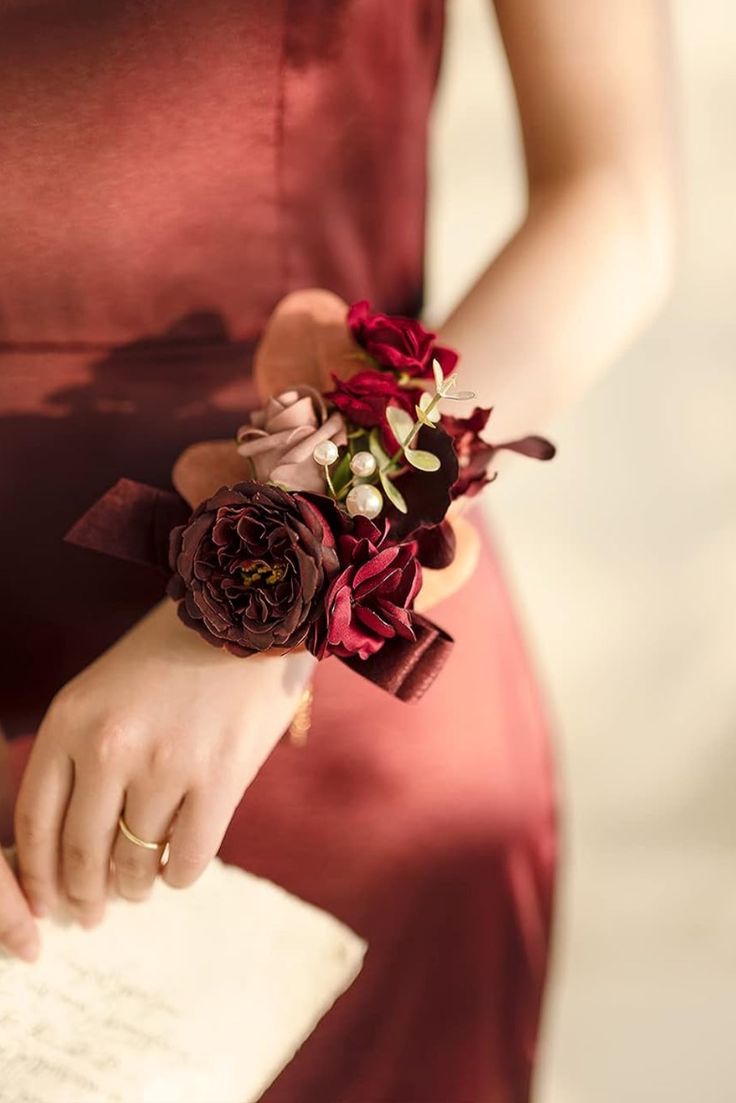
{"x":166,"y":161}
{"x":169,"y":169}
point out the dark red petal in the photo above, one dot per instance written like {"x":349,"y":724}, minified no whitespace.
{"x":447,"y":357}
{"x":537,"y":448}
{"x":371,"y":619}
{"x":375,"y":567}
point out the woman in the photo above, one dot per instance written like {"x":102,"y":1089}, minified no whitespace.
{"x":171,"y":169}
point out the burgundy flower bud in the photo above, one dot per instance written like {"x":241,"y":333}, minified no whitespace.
{"x":398,"y":343}
{"x":363,"y":399}
{"x":370,"y":600}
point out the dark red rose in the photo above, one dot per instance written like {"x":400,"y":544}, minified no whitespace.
{"x":364,"y":397}
{"x":398,"y":343}
{"x":370,"y":600}
{"x":474,"y":454}
{"x":251,"y":568}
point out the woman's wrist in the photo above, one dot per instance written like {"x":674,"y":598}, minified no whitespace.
{"x":177,"y":639}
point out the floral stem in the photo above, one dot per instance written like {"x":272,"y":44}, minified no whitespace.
{"x":343,"y":493}
{"x":394,"y":461}
{"x":330,"y":484}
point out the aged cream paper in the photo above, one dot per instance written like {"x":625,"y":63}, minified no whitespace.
{"x":191,"y":997}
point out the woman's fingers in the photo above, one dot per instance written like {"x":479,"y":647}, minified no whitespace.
{"x":148,"y":815}
{"x":88,"y":835}
{"x":18,"y":932}
{"x":39,"y":814}
{"x":198,"y":832}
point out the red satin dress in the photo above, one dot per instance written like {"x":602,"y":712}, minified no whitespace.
{"x":168,"y":170}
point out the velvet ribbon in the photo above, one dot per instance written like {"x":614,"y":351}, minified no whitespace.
{"x":133,"y":521}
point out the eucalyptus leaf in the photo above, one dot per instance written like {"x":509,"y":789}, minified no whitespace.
{"x":438,"y":374}
{"x":402,"y":424}
{"x":392,"y":492}
{"x":423,"y":461}
{"x":377,"y":450}
{"x":461,"y":396}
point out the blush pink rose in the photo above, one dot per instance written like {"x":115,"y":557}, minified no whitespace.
{"x":280,"y":439}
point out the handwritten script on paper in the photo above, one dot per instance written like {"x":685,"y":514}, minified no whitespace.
{"x":82,"y":1002}
{"x":193,"y":996}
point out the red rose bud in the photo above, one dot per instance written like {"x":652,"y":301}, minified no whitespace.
{"x":370,"y":600}
{"x":364,"y":397}
{"x":251,"y":568}
{"x":474,"y":454}
{"x":398,"y":343}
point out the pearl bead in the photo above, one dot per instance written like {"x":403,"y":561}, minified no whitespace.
{"x":325,"y":453}
{"x":364,"y":501}
{"x":363,"y":464}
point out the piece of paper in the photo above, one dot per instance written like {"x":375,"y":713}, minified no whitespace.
{"x":192,"y":997}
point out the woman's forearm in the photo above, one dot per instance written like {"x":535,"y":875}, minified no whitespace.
{"x":586,"y":270}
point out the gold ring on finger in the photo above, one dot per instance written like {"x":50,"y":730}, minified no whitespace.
{"x":136,"y":839}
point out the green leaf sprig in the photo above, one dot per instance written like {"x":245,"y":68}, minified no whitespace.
{"x":405,"y":429}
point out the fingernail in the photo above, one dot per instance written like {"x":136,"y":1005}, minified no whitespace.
{"x":28,"y":948}
{"x":89,"y":920}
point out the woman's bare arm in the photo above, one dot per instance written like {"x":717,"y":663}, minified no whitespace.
{"x":593,"y":258}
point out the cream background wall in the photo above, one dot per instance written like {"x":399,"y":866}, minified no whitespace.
{"x":624,"y":561}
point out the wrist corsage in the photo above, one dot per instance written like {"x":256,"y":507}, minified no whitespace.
{"x":334,"y":513}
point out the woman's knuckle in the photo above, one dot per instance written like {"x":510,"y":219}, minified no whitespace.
{"x":111,"y":743}
{"x":78,"y":858}
{"x":131,"y":867}
{"x":163,"y":759}
{"x":28,"y":829}
{"x":63,"y":704}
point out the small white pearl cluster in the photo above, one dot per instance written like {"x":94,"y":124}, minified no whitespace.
{"x":363,"y":464}
{"x":325,"y":453}
{"x":363,"y":500}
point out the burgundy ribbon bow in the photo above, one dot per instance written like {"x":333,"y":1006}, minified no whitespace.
{"x":133,"y":521}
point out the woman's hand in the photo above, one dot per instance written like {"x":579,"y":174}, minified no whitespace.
{"x":18,"y":932}
{"x":163,"y":728}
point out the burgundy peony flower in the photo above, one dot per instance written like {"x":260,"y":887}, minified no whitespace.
{"x":474,"y":454}
{"x":251,"y":567}
{"x":364,"y":397}
{"x":370,"y":600}
{"x":398,"y":343}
